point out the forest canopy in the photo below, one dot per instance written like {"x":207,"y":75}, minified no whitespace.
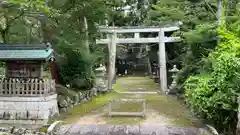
{"x":207,"y":56}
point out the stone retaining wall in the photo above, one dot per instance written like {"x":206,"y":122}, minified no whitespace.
{"x":28,"y":110}
{"x":66,"y":101}
{"x":77,"y":98}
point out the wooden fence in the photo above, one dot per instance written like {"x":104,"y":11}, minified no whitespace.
{"x":30,"y":87}
{"x":140,"y":101}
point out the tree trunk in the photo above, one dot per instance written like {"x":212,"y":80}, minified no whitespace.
{"x":86,"y":34}
{"x":3,"y":37}
{"x":219,"y":12}
{"x":4,"y":34}
{"x":238,"y":123}
{"x":48,"y":36}
{"x":219,"y":15}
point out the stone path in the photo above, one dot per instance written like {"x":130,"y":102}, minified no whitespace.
{"x":138,"y":92}
{"x":161,"y":115}
{"x":105,"y":129}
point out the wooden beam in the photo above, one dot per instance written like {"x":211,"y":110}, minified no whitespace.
{"x":140,"y":114}
{"x":127,"y":100}
{"x":139,"y":40}
{"x":137,"y":29}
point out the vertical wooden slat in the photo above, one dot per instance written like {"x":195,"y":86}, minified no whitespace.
{"x":1,"y":86}
{"x":32,"y":86}
{"x":36,"y":86}
{"x":10,"y":86}
{"x":22,"y":88}
{"x":46,"y":82}
{"x":17,"y":84}
{"x":41,"y":91}
{"x":54,"y":86}
{"x":49,"y":86}
{"x":27,"y":86}
{"x":14,"y":86}
{"x":5,"y":87}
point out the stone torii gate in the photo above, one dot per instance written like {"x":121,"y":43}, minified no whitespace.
{"x":112,"y":40}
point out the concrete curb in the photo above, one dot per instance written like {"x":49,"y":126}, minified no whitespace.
{"x":212,"y":130}
{"x":54,"y":126}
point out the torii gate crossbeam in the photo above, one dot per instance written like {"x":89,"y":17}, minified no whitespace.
{"x":112,"y":40}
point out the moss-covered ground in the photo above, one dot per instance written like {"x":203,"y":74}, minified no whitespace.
{"x":161,"y":109}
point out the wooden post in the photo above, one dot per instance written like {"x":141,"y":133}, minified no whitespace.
{"x":112,"y":60}
{"x":162,"y":61}
{"x":144,"y":108}
{"x":110,"y":108}
{"x":41,"y":70}
{"x":136,"y":35}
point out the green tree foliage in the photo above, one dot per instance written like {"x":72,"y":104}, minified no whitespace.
{"x":198,"y":32}
{"x":197,"y":44}
{"x":75,"y":67}
{"x":209,"y":74}
{"x":213,"y":94}
{"x":62,"y":23}
{"x":75,"y":32}
{"x":19,"y":20}
{"x":190,"y":13}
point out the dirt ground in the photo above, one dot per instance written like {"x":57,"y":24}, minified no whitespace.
{"x":100,"y":117}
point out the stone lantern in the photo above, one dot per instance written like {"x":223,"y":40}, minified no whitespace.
{"x":100,"y":79}
{"x":173,"y":87}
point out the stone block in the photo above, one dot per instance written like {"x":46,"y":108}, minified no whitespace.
{"x":63,"y":109}
{"x":23,"y":108}
{"x":76,"y":98}
{"x":63,"y":103}
{"x":54,"y":127}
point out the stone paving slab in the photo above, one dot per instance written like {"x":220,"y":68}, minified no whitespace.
{"x":139,"y":92}
{"x":106,"y":129}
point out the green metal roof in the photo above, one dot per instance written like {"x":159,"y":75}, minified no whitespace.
{"x":25,"y":52}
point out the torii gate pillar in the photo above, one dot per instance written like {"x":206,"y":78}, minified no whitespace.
{"x":162,"y":60}
{"x":112,"y":40}
{"x":112,"y":59}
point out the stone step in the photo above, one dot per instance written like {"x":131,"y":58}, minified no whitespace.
{"x":105,"y":129}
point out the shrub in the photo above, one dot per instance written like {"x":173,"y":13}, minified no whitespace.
{"x":76,"y":68}
{"x":198,"y":43}
{"x":212,"y":95}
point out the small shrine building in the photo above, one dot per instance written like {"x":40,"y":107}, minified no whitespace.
{"x":26,"y":97}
